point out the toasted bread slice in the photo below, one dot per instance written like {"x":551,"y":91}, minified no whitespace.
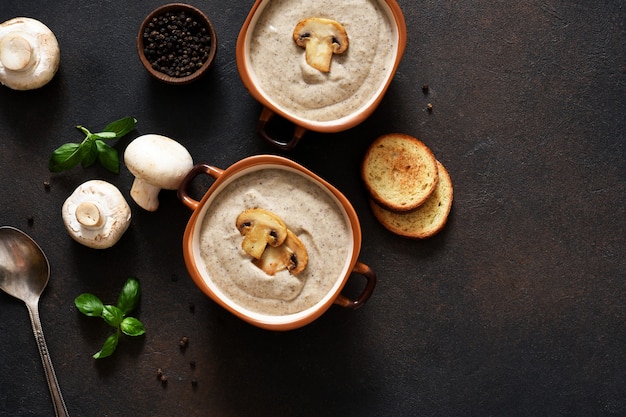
{"x":399,"y":171}
{"x":427,"y":219}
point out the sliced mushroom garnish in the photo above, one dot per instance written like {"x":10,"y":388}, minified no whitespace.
{"x":322,"y":38}
{"x":291,"y":255}
{"x":260,"y":228}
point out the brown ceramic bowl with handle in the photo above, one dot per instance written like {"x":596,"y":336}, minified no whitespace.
{"x":272,"y":65}
{"x":231,"y":191}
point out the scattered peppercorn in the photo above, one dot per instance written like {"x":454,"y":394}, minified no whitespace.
{"x":46,"y":185}
{"x":425,"y":89}
{"x":30,"y":220}
{"x":176,"y":43}
{"x":183,"y":342}
{"x":429,"y":107}
{"x":192,"y":364}
{"x":161,"y":376}
{"x":194,"y":382}
{"x":192,"y":308}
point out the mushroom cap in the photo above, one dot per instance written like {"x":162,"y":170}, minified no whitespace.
{"x":158,"y":160}
{"x":321,"y":28}
{"x":112,"y":208}
{"x":29,"y":54}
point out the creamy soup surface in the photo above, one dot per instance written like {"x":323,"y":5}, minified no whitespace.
{"x":307,"y":210}
{"x":355,"y":76}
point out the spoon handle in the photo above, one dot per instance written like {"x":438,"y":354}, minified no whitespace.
{"x":53,"y":384}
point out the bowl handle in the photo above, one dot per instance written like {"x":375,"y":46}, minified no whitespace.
{"x":264,"y":119}
{"x":193,"y":173}
{"x":370,"y":275}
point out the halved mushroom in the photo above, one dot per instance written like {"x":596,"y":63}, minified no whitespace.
{"x":260,"y":228}
{"x":291,"y":255}
{"x":322,"y":38}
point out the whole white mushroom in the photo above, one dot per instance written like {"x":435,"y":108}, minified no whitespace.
{"x":157,"y":162}
{"x":29,"y":54}
{"x":96,"y":214}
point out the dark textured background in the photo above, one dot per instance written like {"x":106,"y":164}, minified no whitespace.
{"x":518,"y":308}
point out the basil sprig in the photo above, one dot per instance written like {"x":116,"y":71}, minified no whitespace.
{"x":115,"y":316}
{"x":93,"y":148}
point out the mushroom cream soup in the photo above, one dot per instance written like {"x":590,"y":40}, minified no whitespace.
{"x":355,"y":76}
{"x":307,"y":209}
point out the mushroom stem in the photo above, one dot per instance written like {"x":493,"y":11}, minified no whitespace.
{"x":319,"y":53}
{"x":145,"y":194}
{"x":89,"y":216}
{"x":16,"y":52}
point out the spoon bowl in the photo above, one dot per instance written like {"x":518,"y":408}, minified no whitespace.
{"x":21,"y":257}
{"x":24,"y":274}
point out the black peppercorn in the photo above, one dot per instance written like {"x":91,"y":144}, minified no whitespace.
{"x":183,"y":342}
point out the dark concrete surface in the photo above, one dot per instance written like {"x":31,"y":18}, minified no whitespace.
{"x":518,"y":308}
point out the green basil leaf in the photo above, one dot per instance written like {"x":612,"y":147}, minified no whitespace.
{"x":89,"y":305}
{"x":109,"y":346}
{"x":108,"y":157}
{"x":92,"y":148}
{"x":129,"y":296}
{"x":89,"y":152}
{"x":122,"y":126}
{"x":65,"y":157}
{"x":132,"y":327}
{"x":112,"y":315}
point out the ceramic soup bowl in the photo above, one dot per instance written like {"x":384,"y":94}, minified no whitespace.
{"x":272,"y":50}
{"x":315,"y":212}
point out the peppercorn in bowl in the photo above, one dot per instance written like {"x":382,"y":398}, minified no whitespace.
{"x":177,"y":43}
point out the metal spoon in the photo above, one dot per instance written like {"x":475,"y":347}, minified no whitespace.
{"x":24,"y":273}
